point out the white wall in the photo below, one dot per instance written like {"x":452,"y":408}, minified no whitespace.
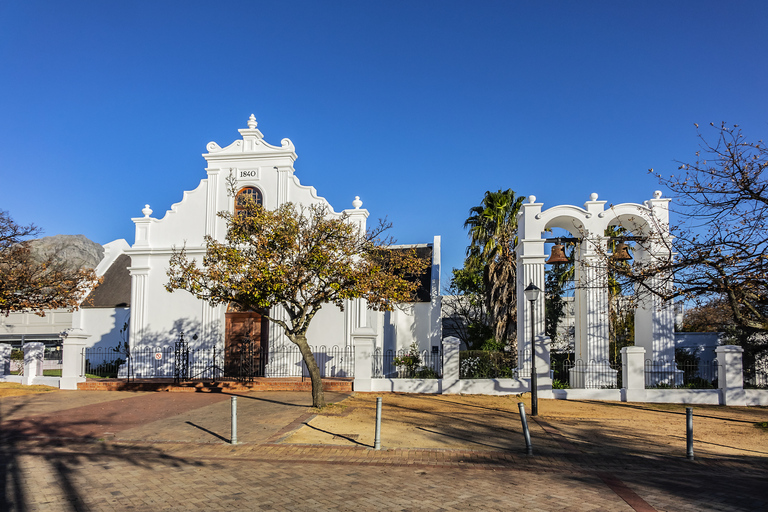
{"x":104,"y":325}
{"x":53,"y":322}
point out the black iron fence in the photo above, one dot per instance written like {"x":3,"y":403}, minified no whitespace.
{"x":182,"y":362}
{"x":408,"y":363}
{"x":482,"y":364}
{"x":681,"y":375}
{"x":586,"y":374}
{"x":756,"y":375}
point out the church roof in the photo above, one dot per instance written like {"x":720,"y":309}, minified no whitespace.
{"x":115,"y":289}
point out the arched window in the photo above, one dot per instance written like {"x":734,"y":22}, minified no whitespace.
{"x":244,"y":196}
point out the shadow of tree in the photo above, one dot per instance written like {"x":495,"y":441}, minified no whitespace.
{"x":59,"y":446}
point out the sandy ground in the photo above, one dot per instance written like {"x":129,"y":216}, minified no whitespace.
{"x":462,"y":422}
{"x":493,"y":423}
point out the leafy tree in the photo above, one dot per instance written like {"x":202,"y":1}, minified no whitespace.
{"x":30,"y":282}
{"x":464,"y":305}
{"x":713,"y":316}
{"x":492,"y":229}
{"x":721,"y":249}
{"x":298,"y":260}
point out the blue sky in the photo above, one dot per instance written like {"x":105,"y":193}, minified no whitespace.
{"x":417,"y":107}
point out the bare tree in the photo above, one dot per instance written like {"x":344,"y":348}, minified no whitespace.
{"x":720,"y":249}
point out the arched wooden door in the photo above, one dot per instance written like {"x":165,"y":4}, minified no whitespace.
{"x":245,"y":343}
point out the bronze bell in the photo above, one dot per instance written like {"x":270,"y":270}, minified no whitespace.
{"x":558,"y":254}
{"x":621,"y":252}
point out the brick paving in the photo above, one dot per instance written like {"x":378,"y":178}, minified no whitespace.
{"x":166,"y":464}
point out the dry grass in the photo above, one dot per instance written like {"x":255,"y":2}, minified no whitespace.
{"x":15,"y":389}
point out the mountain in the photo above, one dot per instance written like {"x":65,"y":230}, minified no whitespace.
{"x":76,"y":250}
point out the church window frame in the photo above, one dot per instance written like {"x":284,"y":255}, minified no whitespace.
{"x":243,"y":193}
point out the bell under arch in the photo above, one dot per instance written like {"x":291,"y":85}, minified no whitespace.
{"x":654,"y":325}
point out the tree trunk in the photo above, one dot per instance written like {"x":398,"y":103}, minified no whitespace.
{"x":318,"y":397}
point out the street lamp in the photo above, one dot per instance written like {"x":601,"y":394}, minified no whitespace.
{"x":532,"y":293}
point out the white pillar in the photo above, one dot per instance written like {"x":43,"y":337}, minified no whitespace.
{"x":451,"y":384}
{"x":592,"y":317}
{"x":139,"y":277}
{"x":73,"y":359}
{"x":655,"y":320}
{"x":730,"y":376}
{"x":532,"y":271}
{"x":363,"y":342}
{"x":5,"y":359}
{"x":633,"y":374}
{"x":33,"y":362}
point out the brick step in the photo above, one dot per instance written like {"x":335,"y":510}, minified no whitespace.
{"x":205,"y":386}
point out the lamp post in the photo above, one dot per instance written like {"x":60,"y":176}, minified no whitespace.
{"x":532,"y":294}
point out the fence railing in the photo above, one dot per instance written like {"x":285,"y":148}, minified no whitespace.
{"x":182,"y":362}
{"x":756,"y":375}
{"x":586,"y":374}
{"x":405,"y":364}
{"x":481,"y":364}
{"x":681,"y":375}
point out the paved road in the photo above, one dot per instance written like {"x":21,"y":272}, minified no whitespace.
{"x":93,"y":452}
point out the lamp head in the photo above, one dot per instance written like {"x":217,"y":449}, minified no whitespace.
{"x":532,"y":292}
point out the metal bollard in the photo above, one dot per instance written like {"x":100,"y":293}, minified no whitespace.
{"x":233,"y":437}
{"x":526,"y":433}
{"x":689,"y":431}
{"x":377,"y":436}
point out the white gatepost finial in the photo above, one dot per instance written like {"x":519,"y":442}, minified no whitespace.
{"x":252,"y":122}
{"x":657,"y":194}
{"x":357,"y":203}
{"x":531,"y":199}
{"x":147,"y":211}
{"x":593,"y":196}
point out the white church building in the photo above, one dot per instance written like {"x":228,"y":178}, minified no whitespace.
{"x":266,"y":173}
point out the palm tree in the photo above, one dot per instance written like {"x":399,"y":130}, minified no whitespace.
{"x":492,"y":231}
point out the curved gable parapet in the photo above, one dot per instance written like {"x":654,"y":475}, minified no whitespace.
{"x":312,"y":191}
{"x":257,"y":146}
{"x":252,"y":145}
{"x":185,"y":197}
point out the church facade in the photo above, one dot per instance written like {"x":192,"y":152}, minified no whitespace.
{"x":266,"y":173}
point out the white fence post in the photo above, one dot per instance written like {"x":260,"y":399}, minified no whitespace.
{"x":451,"y":383}
{"x":5,"y":359}
{"x":633,"y":374}
{"x":730,"y":376}
{"x":363,"y":342}
{"x":72,"y":360}
{"x":33,"y":362}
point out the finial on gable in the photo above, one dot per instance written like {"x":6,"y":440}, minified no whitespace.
{"x":147,"y":211}
{"x":252,"y":122}
{"x":357,"y":203}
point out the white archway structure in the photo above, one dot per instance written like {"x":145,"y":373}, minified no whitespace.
{"x":654,"y":318}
